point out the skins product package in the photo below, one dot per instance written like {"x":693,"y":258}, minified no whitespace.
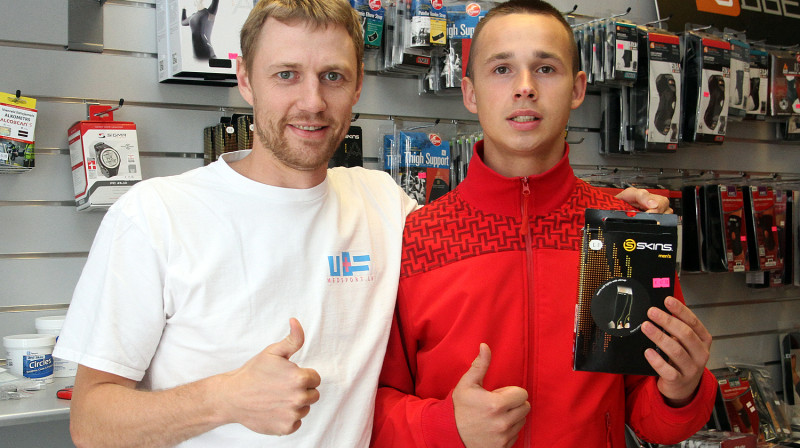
{"x":104,"y":155}
{"x":706,"y":83}
{"x":209,"y":154}
{"x":349,"y":153}
{"x":740,"y":78}
{"x":422,"y":164}
{"x":756,"y":103}
{"x":783,"y":83}
{"x":627,"y":266}
{"x":735,"y":408}
{"x":17,"y":126}
{"x":762,"y":229}
{"x":655,"y":97}
{"x":244,"y":130}
{"x":202,"y":40}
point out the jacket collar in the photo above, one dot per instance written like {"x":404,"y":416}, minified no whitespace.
{"x":490,"y":192}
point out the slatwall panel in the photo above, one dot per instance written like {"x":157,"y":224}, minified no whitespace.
{"x":45,"y":240}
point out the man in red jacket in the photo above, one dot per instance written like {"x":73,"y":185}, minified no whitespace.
{"x":494,"y":264}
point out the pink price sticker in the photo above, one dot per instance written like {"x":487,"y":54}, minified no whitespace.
{"x":620,"y":47}
{"x":661,"y":282}
{"x":233,"y":55}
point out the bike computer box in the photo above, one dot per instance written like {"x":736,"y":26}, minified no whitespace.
{"x":706,"y":84}
{"x":627,"y":265}
{"x":104,"y":155}
{"x":655,"y":97}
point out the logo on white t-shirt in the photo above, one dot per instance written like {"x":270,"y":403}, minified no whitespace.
{"x":350,"y":267}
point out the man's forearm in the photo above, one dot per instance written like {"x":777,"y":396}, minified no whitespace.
{"x":113,"y":415}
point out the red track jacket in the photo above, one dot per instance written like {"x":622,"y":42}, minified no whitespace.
{"x":468,"y":276}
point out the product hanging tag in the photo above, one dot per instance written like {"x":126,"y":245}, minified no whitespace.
{"x":17,"y":125}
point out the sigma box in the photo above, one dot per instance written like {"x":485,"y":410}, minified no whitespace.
{"x":105,"y":161}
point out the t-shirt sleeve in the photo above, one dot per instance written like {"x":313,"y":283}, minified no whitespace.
{"x":116,"y":316}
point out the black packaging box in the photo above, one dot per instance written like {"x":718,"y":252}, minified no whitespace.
{"x":627,"y":266}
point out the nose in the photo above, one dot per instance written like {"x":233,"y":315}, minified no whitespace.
{"x":525,"y":87}
{"x":312,"y":98}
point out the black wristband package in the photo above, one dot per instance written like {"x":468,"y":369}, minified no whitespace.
{"x":740,"y":78}
{"x":756,"y":102}
{"x":655,"y":97}
{"x":627,"y":266}
{"x":706,"y":81}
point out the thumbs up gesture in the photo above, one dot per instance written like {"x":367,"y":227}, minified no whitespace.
{"x":488,"y":418}
{"x":270,"y":394}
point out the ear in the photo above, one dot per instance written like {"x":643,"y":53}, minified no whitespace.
{"x":578,"y":90}
{"x":468,"y":94}
{"x":244,"y":81}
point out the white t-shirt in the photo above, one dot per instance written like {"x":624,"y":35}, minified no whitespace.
{"x":192,"y":275}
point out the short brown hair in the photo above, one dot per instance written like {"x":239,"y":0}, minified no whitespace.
{"x":318,"y":13}
{"x":525,"y":7}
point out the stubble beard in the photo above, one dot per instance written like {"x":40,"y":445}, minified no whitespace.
{"x":299,"y":156}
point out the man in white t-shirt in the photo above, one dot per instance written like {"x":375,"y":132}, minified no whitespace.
{"x":180,"y":318}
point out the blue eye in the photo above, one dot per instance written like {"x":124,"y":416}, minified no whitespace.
{"x":333,"y":76}
{"x":285,"y":75}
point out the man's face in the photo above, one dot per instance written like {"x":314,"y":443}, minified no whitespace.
{"x":302,"y":86}
{"x":523,"y":89}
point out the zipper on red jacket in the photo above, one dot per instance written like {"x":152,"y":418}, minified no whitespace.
{"x":527,"y":239}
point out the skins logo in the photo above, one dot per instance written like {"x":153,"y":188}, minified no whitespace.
{"x":631,"y":245}
{"x":724,"y":7}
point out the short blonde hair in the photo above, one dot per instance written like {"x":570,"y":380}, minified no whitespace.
{"x":318,"y":13}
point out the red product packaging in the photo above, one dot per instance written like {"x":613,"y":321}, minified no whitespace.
{"x":733,"y":220}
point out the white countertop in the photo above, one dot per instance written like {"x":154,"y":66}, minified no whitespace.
{"x":43,"y":406}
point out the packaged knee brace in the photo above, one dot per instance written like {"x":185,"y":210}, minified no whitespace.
{"x":621,"y":52}
{"x":655,"y":97}
{"x":756,"y":102}
{"x":627,"y":266}
{"x":740,"y":78}
{"x":706,"y":81}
